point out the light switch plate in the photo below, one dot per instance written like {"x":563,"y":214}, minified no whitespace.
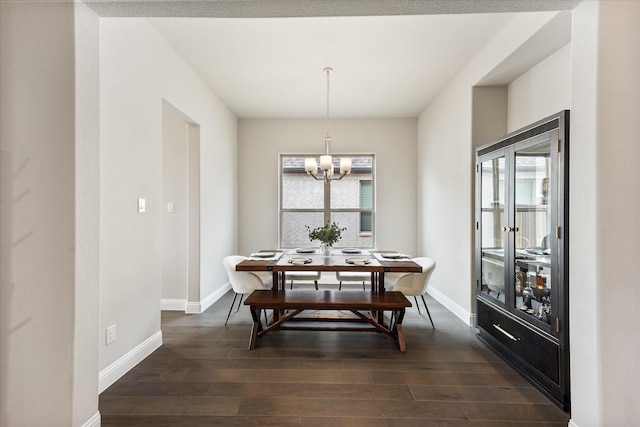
{"x":171,"y":207}
{"x":111,"y":334}
{"x":142,"y":205}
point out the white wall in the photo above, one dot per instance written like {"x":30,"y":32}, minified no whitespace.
{"x":139,"y":71}
{"x":46,"y":355}
{"x":175,"y":225}
{"x":542,"y":91}
{"x":393,"y":141}
{"x":605,"y":214}
{"x":489,"y":111}
{"x":87,"y":217}
{"x":445,"y":171}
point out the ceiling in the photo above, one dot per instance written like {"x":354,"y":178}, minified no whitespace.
{"x":270,"y":65}
{"x":384,"y":66}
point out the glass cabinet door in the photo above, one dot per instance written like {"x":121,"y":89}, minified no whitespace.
{"x":533,"y":224}
{"x":493,"y":217}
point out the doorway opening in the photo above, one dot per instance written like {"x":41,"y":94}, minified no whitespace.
{"x":181,"y":211}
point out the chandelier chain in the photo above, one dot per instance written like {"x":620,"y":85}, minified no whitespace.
{"x":328,"y":70}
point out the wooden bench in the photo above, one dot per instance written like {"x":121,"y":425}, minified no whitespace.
{"x":367,"y":307}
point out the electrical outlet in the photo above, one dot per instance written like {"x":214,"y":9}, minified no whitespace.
{"x":111,"y":334}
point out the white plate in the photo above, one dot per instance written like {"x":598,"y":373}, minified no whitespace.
{"x":306,"y":250}
{"x":351,"y":251}
{"x":358,"y":260}
{"x":393,"y":256}
{"x":264,"y":254}
{"x":299,"y":260}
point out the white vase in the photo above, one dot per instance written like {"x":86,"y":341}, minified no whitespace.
{"x":326,"y":249}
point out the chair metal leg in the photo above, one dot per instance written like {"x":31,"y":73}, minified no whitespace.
{"x":316,"y":283}
{"x":231,"y":308}
{"x":240,"y":303}
{"x":417,"y":305}
{"x":425,"y":306}
{"x":291,"y":286}
{"x":363,"y":286}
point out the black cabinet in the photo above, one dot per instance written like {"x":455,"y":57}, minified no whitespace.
{"x":522,"y":248}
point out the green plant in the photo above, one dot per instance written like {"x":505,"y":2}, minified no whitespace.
{"x":328,"y":234}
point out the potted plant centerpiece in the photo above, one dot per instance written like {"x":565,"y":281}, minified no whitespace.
{"x":328,"y":234}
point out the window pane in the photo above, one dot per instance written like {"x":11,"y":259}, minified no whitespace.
{"x":365,"y":222}
{"x":351,"y":236}
{"x":299,"y":190}
{"x":345,"y":194}
{"x":294,"y":232}
{"x":366,"y":194}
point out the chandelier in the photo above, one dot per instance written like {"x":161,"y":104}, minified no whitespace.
{"x":326,"y":161}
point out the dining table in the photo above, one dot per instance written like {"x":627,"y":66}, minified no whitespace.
{"x":366,"y":307}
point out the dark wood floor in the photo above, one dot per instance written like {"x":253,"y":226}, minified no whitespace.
{"x":204,"y":375}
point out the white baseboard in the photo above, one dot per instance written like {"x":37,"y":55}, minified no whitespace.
{"x":473,"y":319}
{"x":464,"y":315}
{"x":113,"y":372}
{"x":194,"y":307}
{"x":94,"y":421}
{"x":173,"y":304}
{"x":214,"y":296}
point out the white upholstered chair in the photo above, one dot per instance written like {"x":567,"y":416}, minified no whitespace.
{"x":242,"y":282}
{"x":414,"y":284}
{"x":352,"y":276}
{"x":303,"y":276}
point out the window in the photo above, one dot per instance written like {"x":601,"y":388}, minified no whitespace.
{"x":305,"y":201}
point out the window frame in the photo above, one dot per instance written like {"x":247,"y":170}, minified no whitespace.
{"x":327,"y":210}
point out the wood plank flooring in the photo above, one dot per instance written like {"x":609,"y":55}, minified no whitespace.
{"x":204,"y":375}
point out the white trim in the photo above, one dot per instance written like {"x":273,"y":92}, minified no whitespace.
{"x":193,"y":308}
{"x":113,"y":372}
{"x":173,"y":304}
{"x":464,"y":315}
{"x":572,"y":423}
{"x":94,"y":421}
{"x":473,"y":319}
{"x":214,"y":296}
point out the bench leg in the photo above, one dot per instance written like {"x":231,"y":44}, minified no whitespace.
{"x":401,"y":342}
{"x":255,"y":327}
{"x":254,"y":336}
{"x":399,"y":315}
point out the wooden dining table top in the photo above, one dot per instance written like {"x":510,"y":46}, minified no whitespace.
{"x":335,"y":262}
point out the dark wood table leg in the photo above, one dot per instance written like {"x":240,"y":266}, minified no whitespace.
{"x":275,"y":281}
{"x":278,"y":284}
{"x":380,"y":291}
